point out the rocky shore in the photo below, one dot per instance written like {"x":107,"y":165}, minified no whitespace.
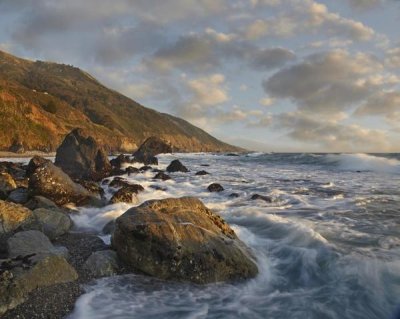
{"x":45,"y":261}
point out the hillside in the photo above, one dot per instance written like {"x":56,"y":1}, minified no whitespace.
{"x":40,"y":102}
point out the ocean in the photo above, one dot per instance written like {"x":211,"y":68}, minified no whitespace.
{"x":327,"y":244}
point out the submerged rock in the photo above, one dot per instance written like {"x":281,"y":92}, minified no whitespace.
{"x":201,"y":173}
{"x":102,"y":263}
{"x":118,"y":182}
{"x":162,"y":176}
{"x":127,"y":194}
{"x":215,"y":187}
{"x":51,"y":182}
{"x":177,"y":166}
{"x":266,"y":199}
{"x":180,"y":239}
{"x":81,"y":157}
{"x":131,"y":170}
{"x":150,"y":148}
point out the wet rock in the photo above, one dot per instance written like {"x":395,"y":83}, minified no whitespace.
{"x":127,"y":194}
{"x":81,"y":157}
{"x":177,"y":166}
{"x":102,"y":263}
{"x":158,"y":188}
{"x":205,"y":165}
{"x":93,"y":187}
{"x":266,"y":199}
{"x":54,"y":223}
{"x":106,"y":181}
{"x":33,"y":242}
{"x":201,"y":173}
{"x":162,"y":176}
{"x":130,"y":170}
{"x":234,"y":195}
{"x":40,"y":202}
{"x":19,"y":195}
{"x":232,"y":154}
{"x":7,"y":184}
{"x":51,"y":182}
{"x":145,"y":168}
{"x":120,"y":160}
{"x":180,"y":239}
{"x":34,"y":163}
{"x":215,"y":187}
{"x":108,"y":229}
{"x":118,"y":182}
{"x":150,"y":148}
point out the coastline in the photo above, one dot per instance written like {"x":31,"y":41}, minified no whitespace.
{"x":6,"y":154}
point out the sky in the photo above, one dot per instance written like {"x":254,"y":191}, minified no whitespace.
{"x":268,"y":75}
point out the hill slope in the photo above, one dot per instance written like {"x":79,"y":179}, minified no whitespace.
{"x":40,"y":102}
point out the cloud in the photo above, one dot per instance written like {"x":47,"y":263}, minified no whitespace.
{"x":209,"y":90}
{"x":365,"y":4}
{"x":271,"y":58}
{"x":393,"y":57}
{"x":325,"y":82}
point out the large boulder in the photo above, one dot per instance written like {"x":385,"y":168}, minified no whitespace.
{"x":54,"y":223}
{"x":150,"y":148}
{"x":177,"y":166}
{"x":81,"y":157}
{"x":51,"y":182}
{"x":33,"y":263}
{"x":181,"y":239}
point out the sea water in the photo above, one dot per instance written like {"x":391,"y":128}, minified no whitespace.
{"x":327,"y":246}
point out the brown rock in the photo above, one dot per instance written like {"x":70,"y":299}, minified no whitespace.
{"x":150,"y":148}
{"x":127,"y":194}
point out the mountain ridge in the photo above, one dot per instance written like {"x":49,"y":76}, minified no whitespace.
{"x":40,"y":102}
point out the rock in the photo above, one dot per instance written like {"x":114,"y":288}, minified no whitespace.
{"x":109,"y":227}
{"x":176,"y":166}
{"x":145,"y":168}
{"x":234,"y":195}
{"x":7,"y":184}
{"x":162,"y":176}
{"x":19,"y":195}
{"x":93,"y":187}
{"x":34,"y":163}
{"x":118,"y":182}
{"x":17,"y":147}
{"x":180,"y":239}
{"x":201,"y":173}
{"x":158,"y":188}
{"x":105,"y":181}
{"x":16,"y":284}
{"x":215,"y":187}
{"x":205,"y":165}
{"x":232,"y":154}
{"x":14,"y":217}
{"x":262,"y":197}
{"x":51,"y":182}
{"x":131,"y":170}
{"x":33,"y":242}
{"x":150,"y":148}
{"x":81,"y":157}
{"x":120,"y":160}
{"x":54,"y":222}
{"x":127,"y":194}
{"x":102,"y":263}
{"x":40,"y":202}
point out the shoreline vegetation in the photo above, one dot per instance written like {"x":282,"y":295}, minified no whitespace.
{"x":45,"y":261}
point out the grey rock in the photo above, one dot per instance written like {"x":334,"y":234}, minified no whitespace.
{"x":54,"y":222}
{"x":102,"y":263}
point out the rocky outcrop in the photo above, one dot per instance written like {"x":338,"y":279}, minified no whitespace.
{"x":33,"y":263}
{"x":127,"y":194}
{"x":102,"y":263}
{"x":51,"y":182}
{"x":177,"y":166}
{"x":54,"y":223}
{"x":81,"y":157}
{"x":180,"y":239}
{"x":215,"y":188}
{"x":150,"y":148}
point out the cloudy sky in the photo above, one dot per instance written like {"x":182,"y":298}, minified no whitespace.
{"x":275,"y":75}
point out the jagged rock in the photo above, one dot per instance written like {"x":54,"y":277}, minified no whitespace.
{"x":131,"y":170}
{"x":215,"y":187}
{"x":177,"y":166}
{"x":54,"y":222}
{"x":19,"y":195}
{"x":127,"y":194}
{"x":7,"y":184}
{"x":145,"y":168}
{"x":150,"y":148}
{"x":102,"y":263}
{"x":34,"y":163}
{"x":201,"y":173}
{"x":120,"y":160}
{"x":162,"y":176}
{"x":33,"y":242}
{"x":118,"y":182}
{"x":262,"y":197}
{"x":51,"y":182}
{"x":180,"y":239}
{"x":81,"y":157}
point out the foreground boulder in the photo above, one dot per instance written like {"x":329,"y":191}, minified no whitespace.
{"x":51,"y":182}
{"x":33,"y":263}
{"x":150,"y":148}
{"x":102,"y":263}
{"x":54,"y":223}
{"x":81,"y":157}
{"x":180,"y":239}
{"x":177,"y":166}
